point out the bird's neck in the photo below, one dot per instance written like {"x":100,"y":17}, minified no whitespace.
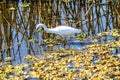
{"x":46,"y":29}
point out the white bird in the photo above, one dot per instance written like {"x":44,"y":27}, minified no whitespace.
{"x":64,"y":31}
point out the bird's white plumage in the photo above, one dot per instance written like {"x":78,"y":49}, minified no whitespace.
{"x":63,"y":31}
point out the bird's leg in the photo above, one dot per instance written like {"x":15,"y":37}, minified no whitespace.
{"x":64,"y":42}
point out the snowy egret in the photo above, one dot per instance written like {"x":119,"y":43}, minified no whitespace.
{"x":64,"y":31}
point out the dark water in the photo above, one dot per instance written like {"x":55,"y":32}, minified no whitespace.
{"x":18,"y":24}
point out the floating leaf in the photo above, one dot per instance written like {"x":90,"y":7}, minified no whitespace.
{"x":32,"y":40}
{"x":113,"y":32}
{"x":118,"y":55}
{"x":12,"y":8}
{"x":19,"y":43}
{"x":25,"y":5}
{"x":81,"y":36}
{"x":62,"y":49}
{"x":67,"y":1}
{"x":8,"y":59}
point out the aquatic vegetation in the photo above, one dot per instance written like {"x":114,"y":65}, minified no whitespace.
{"x":81,"y":37}
{"x":25,"y":5}
{"x":94,"y":62}
{"x":50,"y":41}
{"x":12,"y":8}
{"x":32,"y":40}
{"x":19,"y":43}
{"x":8,"y":59}
{"x":113,"y":32}
{"x":67,"y":1}
{"x":108,"y":36}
